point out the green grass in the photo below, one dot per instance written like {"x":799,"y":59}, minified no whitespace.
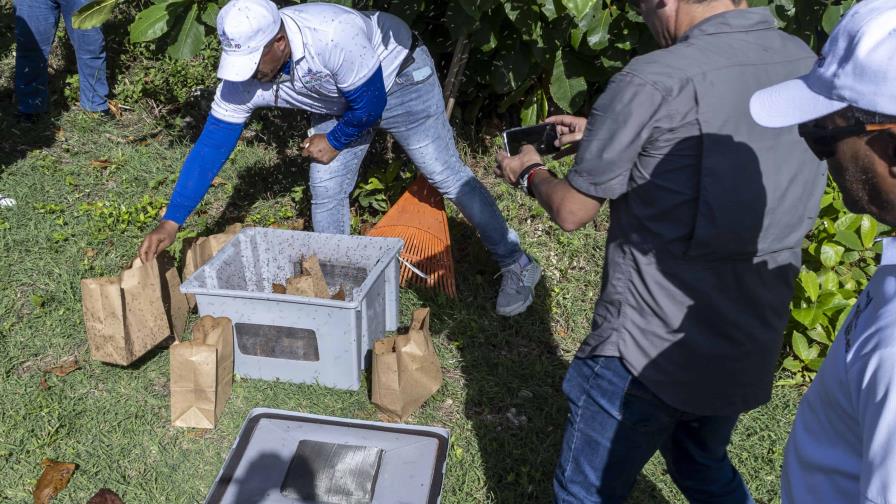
{"x":76,"y":218}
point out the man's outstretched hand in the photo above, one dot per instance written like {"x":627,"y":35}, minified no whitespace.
{"x":570,"y":130}
{"x":318,"y":148}
{"x":158,"y":240}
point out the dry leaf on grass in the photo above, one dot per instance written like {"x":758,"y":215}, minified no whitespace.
{"x":114,"y":108}
{"x":43,"y":383}
{"x":54,"y":479}
{"x":105,"y":496}
{"x":64,"y":367}
{"x":102,"y":164}
{"x":89,"y":252}
{"x":218,"y":181}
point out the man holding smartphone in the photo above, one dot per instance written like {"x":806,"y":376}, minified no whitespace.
{"x":707,"y":215}
{"x":355,"y":72}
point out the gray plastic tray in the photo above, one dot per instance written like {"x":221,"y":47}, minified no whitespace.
{"x":295,"y":338}
{"x":411,"y":470}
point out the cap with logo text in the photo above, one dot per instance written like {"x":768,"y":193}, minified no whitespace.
{"x":855,"y":68}
{"x":244,"y":28}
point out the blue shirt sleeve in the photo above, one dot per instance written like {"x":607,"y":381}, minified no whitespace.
{"x":365,"y":108}
{"x":217,"y":141}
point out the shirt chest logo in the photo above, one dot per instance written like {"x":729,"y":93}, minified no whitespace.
{"x":314,"y":79}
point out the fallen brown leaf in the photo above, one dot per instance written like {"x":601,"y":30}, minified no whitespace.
{"x":54,"y":479}
{"x":114,"y":108}
{"x":278,"y":288}
{"x":89,"y":252}
{"x":43,"y":383}
{"x":340,"y":294}
{"x":102,"y":164}
{"x":198,"y":433}
{"x":105,"y":496}
{"x":64,"y":367}
{"x":218,"y":181}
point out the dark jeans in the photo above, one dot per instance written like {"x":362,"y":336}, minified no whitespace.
{"x":36,"y":22}
{"x":616,"y":424}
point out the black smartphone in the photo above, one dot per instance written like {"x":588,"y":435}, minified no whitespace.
{"x":541,"y":136}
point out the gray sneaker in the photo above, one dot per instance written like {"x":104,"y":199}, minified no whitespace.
{"x":517,"y":288}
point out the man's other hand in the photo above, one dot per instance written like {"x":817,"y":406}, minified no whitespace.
{"x":158,"y":240}
{"x":318,"y":148}
{"x":510,"y":167}
{"x":570,"y":130}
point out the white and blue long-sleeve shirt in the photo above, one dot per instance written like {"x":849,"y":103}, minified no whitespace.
{"x":342,"y":64}
{"x":842,"y":448}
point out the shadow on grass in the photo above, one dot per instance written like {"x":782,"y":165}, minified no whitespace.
{"x":512,"y":374}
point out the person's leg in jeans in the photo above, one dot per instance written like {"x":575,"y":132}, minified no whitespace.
{"x":90,"y":51}
{"x":415,"y":116}
{"x":332,"y":184}
{"x":697,"y":458}
{"x":36,"y":22}
{"x":614,"y":426}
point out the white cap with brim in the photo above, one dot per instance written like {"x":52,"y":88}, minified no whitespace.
{"x":855,"y":68}
{"x":244,"y":28}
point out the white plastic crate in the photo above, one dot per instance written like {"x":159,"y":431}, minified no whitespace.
{"x":411,"y":468}
{"x":295,"y":338}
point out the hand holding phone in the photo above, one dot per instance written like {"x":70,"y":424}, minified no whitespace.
{"x":541,"y":136}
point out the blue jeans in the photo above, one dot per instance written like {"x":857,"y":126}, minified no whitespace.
{"x":616,"y":424}
{"x":415,"y":116}
{"x":36,"y":22}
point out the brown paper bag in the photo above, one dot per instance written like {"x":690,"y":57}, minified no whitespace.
{"x":177,"y":308}
{"x":125,"y":316}
{"x":406,"y":370}
{"x":310,"y":282}
{"x":200,"y":250}
{"x":202,"y":374}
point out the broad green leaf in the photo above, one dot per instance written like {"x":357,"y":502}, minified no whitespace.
{"x":568,"y":86}
{"x":830,"y":254}
{"x":809,"y":281}
{"x":847,"y":221}
{"x":820,"y":335}
{"x":800,"y":346}
{"x":210,"y":15}
{"x":850,"y":239}
{"x":152,"y":22}
{"x":829,"y":280}
{"x":578,"y":8}
{"x":792,"y":364}
{"x":599,"y":31}
{"x":549,"y":8}
{"x":190,"y":36}
{"x":535,"y":109}
{"x":93,"y":14}
{"x":815,"y":363}
{"x":868,"y":230}
{"x":529,"y":114}
{"x":805,"y":316}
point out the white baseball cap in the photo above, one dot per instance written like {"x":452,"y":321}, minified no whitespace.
{"x":856,"y":68}
{"x":245,"y":27}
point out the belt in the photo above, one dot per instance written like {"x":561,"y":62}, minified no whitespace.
{"x":409,"y":59}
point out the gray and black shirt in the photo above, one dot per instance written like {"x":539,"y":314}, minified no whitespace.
{"x":707,"y":216}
